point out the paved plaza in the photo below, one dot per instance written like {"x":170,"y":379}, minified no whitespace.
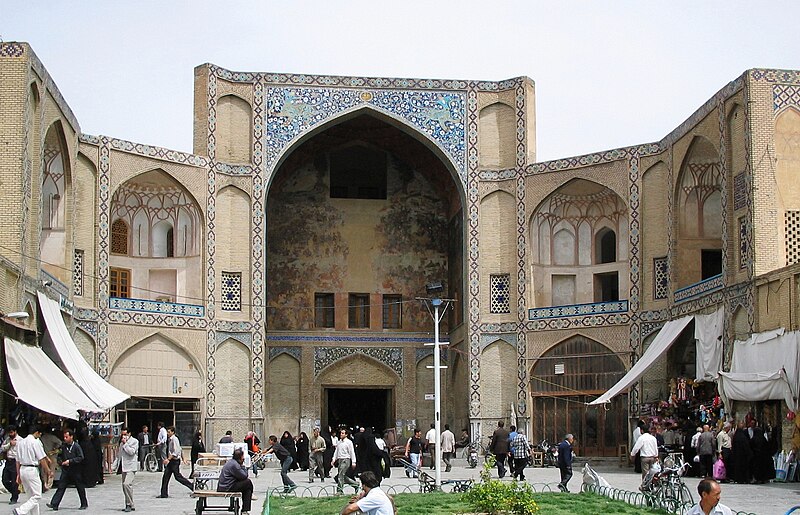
{"x":769,"y":499}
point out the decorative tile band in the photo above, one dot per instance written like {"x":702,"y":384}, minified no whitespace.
{"x":553,"y":324}
{"x":596,"y":308}
{"x":154,"y":306}
{"x":245,"y":339}
{"x":12,"y":49}
{"x":392,"y":357}
{"x":785,"y":95}
{"x":428,"y":351}
{"x":370,"y":339}
{"x":693,"y":290}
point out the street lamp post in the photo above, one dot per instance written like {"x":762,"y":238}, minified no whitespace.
{"x":439,"y":309}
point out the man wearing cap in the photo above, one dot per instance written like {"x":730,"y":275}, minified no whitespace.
{"x":31,"y":456}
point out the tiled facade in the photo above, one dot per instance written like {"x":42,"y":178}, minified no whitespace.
{"x":502,"y":312}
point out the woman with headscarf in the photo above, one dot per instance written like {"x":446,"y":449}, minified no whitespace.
{"x":371,"y":454}
{"x":327,"y":457}
{"x":287,"y":440}
{"x":741,"y":455}
{"x":252,"y":442}
{"x":197,"y":447}
{"x":762,"y":465}
{"x":302,"y":451}
{"x":91,"y":471}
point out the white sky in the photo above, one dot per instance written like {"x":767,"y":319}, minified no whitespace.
{"x":607,"y":73}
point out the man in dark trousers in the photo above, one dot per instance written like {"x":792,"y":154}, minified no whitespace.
{"x":565,"y":461}
{"x":71,"y":459}
{"x":499,"y":448}
{"x":285,"y":458}
{"x":233,"y":478}
{"x":172,"y":464}
{"x":10,"y":470}
{"x":145,"y":441}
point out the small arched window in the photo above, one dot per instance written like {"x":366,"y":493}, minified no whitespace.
{"x":605,"y":246}
{"x":170,"y":242}
{"x":119,"y":237}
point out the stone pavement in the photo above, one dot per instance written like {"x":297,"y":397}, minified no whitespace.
{"x":769,"y":499}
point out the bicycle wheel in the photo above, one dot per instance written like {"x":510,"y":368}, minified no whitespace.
{"x":685,"y":495}
{"x":150,"y":462}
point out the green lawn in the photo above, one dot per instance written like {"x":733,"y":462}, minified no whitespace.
{"x":451,"y":504}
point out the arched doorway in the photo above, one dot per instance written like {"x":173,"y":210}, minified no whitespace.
{"x":563,"y":380}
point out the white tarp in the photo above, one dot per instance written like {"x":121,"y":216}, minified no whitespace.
{"x":756,"y":387}
{"x":708,"y":332}
{"x":663,"y":341}
{"x":39,"y":382}
{"x":98,"y":389}
{"x":765,"y":366}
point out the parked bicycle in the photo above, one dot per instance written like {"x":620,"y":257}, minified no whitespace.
{"x":667,"y":490}
{"x":150,"y":460}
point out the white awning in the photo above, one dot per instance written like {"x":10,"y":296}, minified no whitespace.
{"x":754,"y":386}
{"x":708,"y":355}
{"x":39,"y":382}
{"x":663,"y":341}
{"x":98,"y":389}
{"x":765,"y":366}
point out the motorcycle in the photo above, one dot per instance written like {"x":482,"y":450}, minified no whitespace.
{"x":549,"y":453}
{"x":472,"y":455}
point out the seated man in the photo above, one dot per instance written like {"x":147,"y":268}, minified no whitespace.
{"x":372,"y":501}
{"x":233,"y":478}
{"x":709,"y":504}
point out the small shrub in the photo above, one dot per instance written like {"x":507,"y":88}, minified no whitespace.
{"x":494,"y":496}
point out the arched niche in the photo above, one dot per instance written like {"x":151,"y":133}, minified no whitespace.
{"x":497,"y":136}
{"x":787,"y":171}
{"x":234,"y":130}
{"x":283,"y":395}
{"x":570,"y":227}
{"x":498,"y":380}
{"x":699,"y":211}
{"x":232,"y":387}
{"x":86,"y":346}
{"x":157,"y":366}
{"x":56,"y":202}
{"x":234,"y":221}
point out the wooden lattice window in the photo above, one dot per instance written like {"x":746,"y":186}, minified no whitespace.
{"x":392,"y":311}
{"x":358,"y":310}
{"x":119,"y":237}
{"x":120,"y":283}
{"x":324,"y":310}
{"x":576,"y":366}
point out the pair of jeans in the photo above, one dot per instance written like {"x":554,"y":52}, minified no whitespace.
{"x":285,"y":464}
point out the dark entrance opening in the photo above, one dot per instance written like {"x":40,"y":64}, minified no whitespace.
{"x":369,"y":407}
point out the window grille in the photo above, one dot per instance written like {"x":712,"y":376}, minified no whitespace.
{"x":231,"y":291}
{"x":500,"y":286}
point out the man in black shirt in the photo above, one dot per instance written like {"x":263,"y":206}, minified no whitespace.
{"x":286,"y":461}
{"x":71,"y":458}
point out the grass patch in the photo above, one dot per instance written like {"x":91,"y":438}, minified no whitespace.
{"x":452,"y":504}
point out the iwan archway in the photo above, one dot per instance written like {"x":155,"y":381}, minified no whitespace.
{"x":361,"y":215}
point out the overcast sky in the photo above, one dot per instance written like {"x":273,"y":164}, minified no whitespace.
{"x":607,"y":73}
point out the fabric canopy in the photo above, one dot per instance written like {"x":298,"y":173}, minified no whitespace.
{"x":756,"y":387}
{"x":39,"y":382}
{"x":708,"y":332}
{"x":765,"y":366}
{"x":663,"y":341}
{"x":96,"y":388}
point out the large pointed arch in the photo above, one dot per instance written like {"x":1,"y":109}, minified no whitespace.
{"x":457,"y":172}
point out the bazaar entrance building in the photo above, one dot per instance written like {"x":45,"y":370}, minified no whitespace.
{"x":267,"y":280}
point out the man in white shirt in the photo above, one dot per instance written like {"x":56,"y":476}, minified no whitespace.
{"x":372,"y":501}
{"x":430,"y":444}
{"x":31,"y":456}
{"x":344,"y":459}
{"x":161,"y":445}
{"x":647,"y":447}
{"x":172,"y":464}
{"x":709,"y":504}
{"x":448,"y":446}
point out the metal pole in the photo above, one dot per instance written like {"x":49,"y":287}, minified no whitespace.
{"x":437,"y":403}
